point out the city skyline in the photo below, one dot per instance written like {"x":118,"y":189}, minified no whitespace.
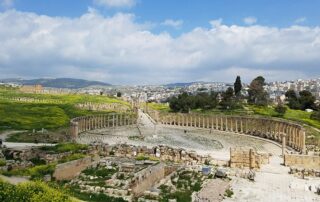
{"x":139,"y":42}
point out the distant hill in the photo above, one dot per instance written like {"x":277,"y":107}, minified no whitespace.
{"x":58,"y":83}
{"x":179,"y":84}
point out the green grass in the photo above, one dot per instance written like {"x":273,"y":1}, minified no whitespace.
{"x":65,"y":147}
{"x":71,"y":157}
{"x":31,"y":192}
{"x":50,"y":115}
{"x":64,"y":98}
{"x":159,"y":107}
{"x":36,"y":172}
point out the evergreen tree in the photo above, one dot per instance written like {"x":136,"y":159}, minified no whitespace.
{"x":257,"y":94}
{"x":237,"y":86}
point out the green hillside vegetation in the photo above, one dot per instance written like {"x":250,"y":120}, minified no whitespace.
{"x":31,"y":192}
{"x":32,"y":115}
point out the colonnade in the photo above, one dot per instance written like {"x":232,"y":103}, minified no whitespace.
{"x":86,"y":123}
{"x":263,"y":127}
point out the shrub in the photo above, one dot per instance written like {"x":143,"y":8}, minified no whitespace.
{"x":65,"y":147}
{"x":315,"y":115}
{"x":31,"y":192}
{"x":2,"y":162}
{"x":71,"y":157}
{"x":38,"y":172}
{"x":228,"y":193}
{"x":280,"y":109}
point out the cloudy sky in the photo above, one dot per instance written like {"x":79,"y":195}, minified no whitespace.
{"x":160,"y":41}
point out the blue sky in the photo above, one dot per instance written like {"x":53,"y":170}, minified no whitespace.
{"x":193,"y":13}
{"x":160,"y":41}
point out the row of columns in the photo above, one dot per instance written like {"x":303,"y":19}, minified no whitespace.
{"x":265,"y":128}
{"x":86,"y":123}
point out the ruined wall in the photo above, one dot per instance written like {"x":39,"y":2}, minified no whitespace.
{"x":105,"y":106}
{"x":148,"y":177}
{"x":69,"y":170}
{"x":262,"y":127}
{"x":302,"y":161}
{"x":247,"y":158}
{"x":86,"y":123}
{"x":163,"y":153}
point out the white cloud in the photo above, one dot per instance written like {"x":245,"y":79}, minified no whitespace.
{"x":300,"y":20}
{"x":216,"y":23}
{"x":173,"y":23}
{"x":115,"y":3}
{"x":119,"y":50}
{"x":6,"y":3}
{"x":250,"y":20}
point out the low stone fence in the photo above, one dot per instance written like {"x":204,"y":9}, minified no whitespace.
{"x":163,"y":153}
{"x":273,"y":129}
{"x":247,"y":158}
{"x":104,"y":106}
{"x":69,"y":170}
{"x":302,"y":161}
{"x":112,"y":120}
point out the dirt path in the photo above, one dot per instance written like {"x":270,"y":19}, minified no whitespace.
{"x":273,"y":183}
{"x":13,"y":180}
{"x":5,"y":134}
{"x":212,"y":191}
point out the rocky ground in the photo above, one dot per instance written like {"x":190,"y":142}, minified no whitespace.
{"x":273,"y":183}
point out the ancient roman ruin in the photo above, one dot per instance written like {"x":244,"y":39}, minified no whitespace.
{"x":247,"y":147}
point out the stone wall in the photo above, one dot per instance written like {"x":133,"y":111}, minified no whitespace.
{"x":105,"y":106}
{"x":69,"y":170}
{"x":163,"y":153}
{"x":247,"y":158}
{"x":302,"y":161}
{"x":86,"y":123}
{"x":146,"y":178}
{"x":272,"y":129}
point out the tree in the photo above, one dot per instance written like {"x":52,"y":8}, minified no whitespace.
{"x":228,"y":101}
{"x":119,"y":94}
{"x":257,"y":94}
{"x":237,"y":86}
{"x":306,"y":100}
{"x":292,"y":99}
{"x":281,"y":109}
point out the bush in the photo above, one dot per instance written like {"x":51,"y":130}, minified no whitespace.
{"x":71,"y":157}
{"x":315,"y":115}
{"x":65,"y":147}
{"x":280,"y":109}
{"x":38,"y":172}
{"x":31,"y":192}
{"x":2,"y":162}
{"x":228,"y":193}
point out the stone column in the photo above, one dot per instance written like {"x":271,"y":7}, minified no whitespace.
{"x":113,"y":120}
{"x":283,"y":137}
{"x":231,"y":124}
{"x":74,"y":130}
{"x":303,"y":141}
{"x":236,"y":125}
{"x":226,"y":123}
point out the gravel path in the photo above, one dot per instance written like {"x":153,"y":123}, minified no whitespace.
{"x":273,"y":183}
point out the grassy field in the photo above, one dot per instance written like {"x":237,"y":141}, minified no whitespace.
{"x":64,"y":98}
{"x":51,"y":116}
{"x":159,"y":106}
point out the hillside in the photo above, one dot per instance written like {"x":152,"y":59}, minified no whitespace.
{"x":58,"y":82}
